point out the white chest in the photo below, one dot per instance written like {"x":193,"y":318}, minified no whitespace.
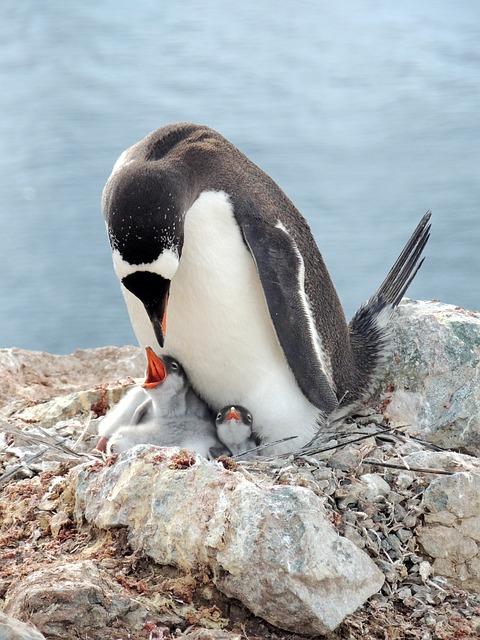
{"x":219,"y":327}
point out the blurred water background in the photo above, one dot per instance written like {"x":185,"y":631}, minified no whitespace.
{"x":366,"y":113}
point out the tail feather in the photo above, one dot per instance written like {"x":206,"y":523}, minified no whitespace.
{"x":369,"y":332}
{"x":407,"y":264}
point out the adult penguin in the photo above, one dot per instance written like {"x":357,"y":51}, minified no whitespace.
{"x":219,"y":268}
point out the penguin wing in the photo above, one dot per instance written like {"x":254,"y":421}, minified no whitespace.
{"x":281,"y":270}
{"x":141,"y":411}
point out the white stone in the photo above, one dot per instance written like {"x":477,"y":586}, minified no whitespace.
{"x":376,"y":486}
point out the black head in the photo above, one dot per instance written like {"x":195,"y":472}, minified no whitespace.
{"x":144,"y":208}
{"x":174,"y":367}
{"x":234,"y":412}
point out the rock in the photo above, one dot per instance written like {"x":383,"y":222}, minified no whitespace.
{"x":344,"y":458}
{"x":451,"y":534}
{"x":58,"y":521}
{"x":459,"y":494}
{"x":447,"y":542}
{"x":425,"y":570}
{"x":404,"y":479}
{"x":30,"y":377}
{"x":211,"y":634}
{"x":471,"y":527}
{"x":12,"y":629}
{"x":435,"y":373}
{"x":271,"y":547}
{"x":446,"y":460}
{"x":77,"y":404}
{"x":373,"y":418}
{"x":77,"y":599}
{"x":375,"y":486}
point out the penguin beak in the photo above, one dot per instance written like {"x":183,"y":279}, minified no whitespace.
{"x":158,"y":318}
{"x":156,"y":372}
{"x":233,"y":415}
{"x":152,"y":289}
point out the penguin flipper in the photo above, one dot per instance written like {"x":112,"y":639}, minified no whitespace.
{"x":123,"y":412}
{"x":369,"y":332}
{"x":281,"y":271}
{"x":141,"y":411}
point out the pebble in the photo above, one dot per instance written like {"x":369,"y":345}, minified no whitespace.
{"x":374,"y":418}
{"x":404,"y":479}
{"x":375,"y":486}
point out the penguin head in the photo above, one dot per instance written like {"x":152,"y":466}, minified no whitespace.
{"x":234,"y":425}
{"x":164,"y":375}
{"x":144,"y":213}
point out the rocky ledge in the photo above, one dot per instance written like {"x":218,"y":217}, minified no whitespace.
{"x":374,"y":533}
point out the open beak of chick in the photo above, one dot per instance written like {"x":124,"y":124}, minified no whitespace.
{"x":156,"y":371}
{"x":232,"y":414}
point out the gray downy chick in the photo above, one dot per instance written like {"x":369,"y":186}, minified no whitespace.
{"x":234,"y":425}
{"x":172,"y":415}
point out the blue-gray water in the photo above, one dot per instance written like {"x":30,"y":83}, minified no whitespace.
{"x":367,"y":113}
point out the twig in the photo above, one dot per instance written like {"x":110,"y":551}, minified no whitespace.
{"x":408,"y":468}
{"x":80,"y":438}
{"x":264,"y":446}
{"x":47,"y":440}
{"x":13,"y":471}
{"x":344,"y":444}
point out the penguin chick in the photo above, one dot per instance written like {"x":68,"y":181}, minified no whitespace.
{"x":136,"y":405}
{"x":172,"y":415}
{"x":234,"y":426}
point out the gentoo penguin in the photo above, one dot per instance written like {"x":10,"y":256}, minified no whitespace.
{"x":219,"y":268}
{"x":235,"y":429}
{"x":171,"y":415}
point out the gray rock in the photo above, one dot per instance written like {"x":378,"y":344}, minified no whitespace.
{"x":12,"y":629}
{"x":447,"y":542}
{"x":271,"y":547}
{"x":29,"y":377}
{"x":404,"y":479}
{"x":375,"y":486}
{"x":77,"y":596}
{"x":459,"y":494}
{"x":446,"y":460}
{"x":211,"y":634}
{"x":77,"y":404}
{"x":451,"y":533}
{"x":435,"y":373}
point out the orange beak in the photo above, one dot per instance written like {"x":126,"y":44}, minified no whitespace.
{"x":164,"y":319}
{"x":156,"y":372}
{"x":233,"y":415}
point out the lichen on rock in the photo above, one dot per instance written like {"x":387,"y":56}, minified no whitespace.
{"x":432,"y":379}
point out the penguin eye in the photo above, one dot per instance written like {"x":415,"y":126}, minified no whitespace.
{"x":249,"y":418}
{"x":174,"y":365}
{"x":219,"y":416}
